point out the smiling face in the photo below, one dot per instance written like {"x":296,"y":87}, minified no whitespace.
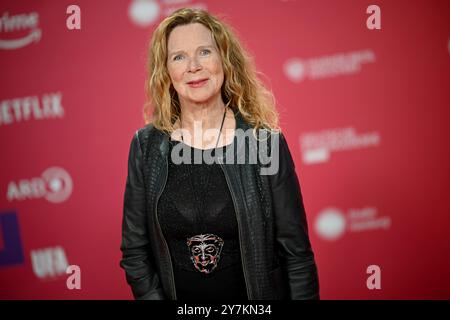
{"x":194,"y":64}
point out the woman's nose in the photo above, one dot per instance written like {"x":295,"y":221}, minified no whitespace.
{"x":194,"y":65}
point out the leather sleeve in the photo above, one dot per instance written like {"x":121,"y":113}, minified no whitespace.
{"x":140,"y":274}
{"x":291,"y":228}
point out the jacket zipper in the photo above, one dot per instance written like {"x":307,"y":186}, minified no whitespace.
{"x":160,"y":230}
{"x":239,"y":229}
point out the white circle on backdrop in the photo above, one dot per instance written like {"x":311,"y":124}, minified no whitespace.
{"x":59,"y":183}
{"x":330,"y":224}
{"x":144,"y":12}
{"x":294,"y":69}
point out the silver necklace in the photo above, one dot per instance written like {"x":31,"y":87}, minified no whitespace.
{"x":220,"y":130}
{"x":198,"y":244}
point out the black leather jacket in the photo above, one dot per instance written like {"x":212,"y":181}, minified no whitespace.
{"x":277,"y":259}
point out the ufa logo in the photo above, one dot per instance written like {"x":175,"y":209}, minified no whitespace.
{"x":49,"y":262}
{"x":55,"y":185}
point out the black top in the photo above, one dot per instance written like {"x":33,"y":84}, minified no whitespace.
{"x":200,"y":208}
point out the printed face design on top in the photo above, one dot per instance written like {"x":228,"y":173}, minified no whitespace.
{"x":205,"y":250}
{"x":194,"y":64}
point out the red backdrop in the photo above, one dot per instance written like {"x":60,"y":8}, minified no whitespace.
{"x":365,"y":113}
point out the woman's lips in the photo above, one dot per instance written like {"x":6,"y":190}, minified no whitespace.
{"x":197,"y":84}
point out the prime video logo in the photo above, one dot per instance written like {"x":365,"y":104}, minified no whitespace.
{"x":16,"y":23}
{"x":263,"y":148}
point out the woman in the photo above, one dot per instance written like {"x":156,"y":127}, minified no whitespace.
{"x":220,"y":230}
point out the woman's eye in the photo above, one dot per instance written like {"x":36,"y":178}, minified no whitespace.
{"x":178,"y":57}
{"x":205,"y":52}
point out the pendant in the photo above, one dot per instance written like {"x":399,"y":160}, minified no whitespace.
{"x":205,"y":250}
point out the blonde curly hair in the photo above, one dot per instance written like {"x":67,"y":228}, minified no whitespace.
{"x":242,"y":89}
